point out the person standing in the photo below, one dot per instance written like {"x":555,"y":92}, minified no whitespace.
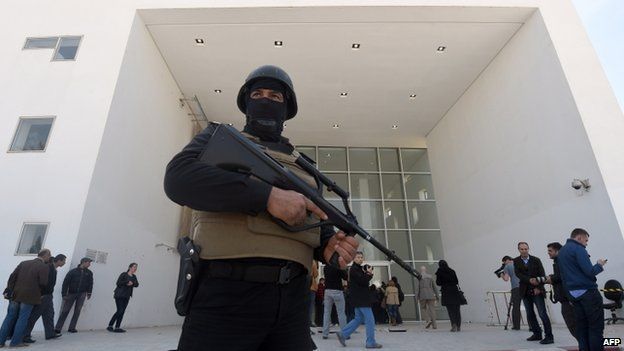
{"x":318,"y":302}
{"x":528,"y":269}
{"x":334,"y":295}
{"x":428,"y":295}
{"x":253,"y":286}
{"x":77,"y":286}
{"x":392,"y":301}
{"x":399,"y":319}
{"x":579,"y":279}
{"x":446,"y":278}
{"x":24,"y":292}
{"x":313,"y":289}
{"x":509,"y":275}
{"x":360,"y":298}
{"x":45,"y":309}
{"x":559,"y":293}
{"x":126,"y":283}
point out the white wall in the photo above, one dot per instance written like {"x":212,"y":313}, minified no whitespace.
{"x":502,"y":161}
{"x":52,"y":186}
{"x":127,"y":212}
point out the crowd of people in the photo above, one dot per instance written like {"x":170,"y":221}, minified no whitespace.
{"x":30,"y":290}
{"x":573,"y":284}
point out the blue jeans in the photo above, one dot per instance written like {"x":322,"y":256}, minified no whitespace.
{"x":392,"y":310}
{"x":17,"y":316}
{"x":333,"y":297}
{"x":362,"y":314}
{"x":539,"y":302}
{"x":589,"y":320}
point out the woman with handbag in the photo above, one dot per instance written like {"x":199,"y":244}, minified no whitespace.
{"x":126,"y":282}
{"x":452,"y":296}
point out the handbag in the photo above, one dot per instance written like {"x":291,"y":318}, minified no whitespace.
{"x":462,"y":297}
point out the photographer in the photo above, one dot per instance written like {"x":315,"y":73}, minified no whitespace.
{"x":506,"y":272}
{"x":360,"y":298}
{"x":559,"y":293}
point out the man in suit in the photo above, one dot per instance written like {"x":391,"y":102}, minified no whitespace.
{"x":530,"y":271}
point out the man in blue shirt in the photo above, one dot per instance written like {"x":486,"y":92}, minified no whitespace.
{"x":509,"y":274}
{"x":579,"y":279}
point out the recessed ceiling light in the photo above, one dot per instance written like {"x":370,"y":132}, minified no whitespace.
{"x":412,"y":96}
{"x":441,"y":48}
{"x":335,"y":126}
{"x":394,"y":126}
{"x":355,"y":46}
{"x":218,"y":91}
{"x":344,"y":94}
{"x":278,"y":43}
{"x":199,"y":41}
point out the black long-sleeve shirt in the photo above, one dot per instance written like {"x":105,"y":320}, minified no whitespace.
{"x":334,"y":277}
{"x":200,"y":186}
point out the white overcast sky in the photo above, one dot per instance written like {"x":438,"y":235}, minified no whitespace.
{"x":604,"y":23}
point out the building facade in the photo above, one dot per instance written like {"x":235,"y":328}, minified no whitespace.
{"x":457,"y":126}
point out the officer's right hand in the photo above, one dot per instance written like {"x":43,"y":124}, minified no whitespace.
{"x":291,"y":206}
{"x":602,"y":262}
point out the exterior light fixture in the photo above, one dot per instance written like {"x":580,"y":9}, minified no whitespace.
{"x":441,"y":48}
{"x":581,"y":185}
{"x":355,"y":46}
{"x":278,"y":43}
{"x":335,"y":126}
{"x":394,"y":126}
{"x":199,"y":41}
{"x":343,"y":94}
{"x":412,"y":96}
{"x":218,"y":91}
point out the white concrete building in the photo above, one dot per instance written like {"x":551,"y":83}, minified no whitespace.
{"x":504,"y":99}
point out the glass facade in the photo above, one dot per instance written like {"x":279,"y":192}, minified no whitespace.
{"x":393,"y":198}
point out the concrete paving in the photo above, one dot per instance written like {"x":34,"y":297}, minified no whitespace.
{"x":472,"y":337}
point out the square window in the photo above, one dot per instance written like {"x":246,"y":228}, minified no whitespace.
{"x":32,"y":238}
{"x":40,"y":43}
{"x":67,"y":49}
{"x":32,"y":134}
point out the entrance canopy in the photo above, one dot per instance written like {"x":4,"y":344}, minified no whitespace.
{"x":364,"y":76}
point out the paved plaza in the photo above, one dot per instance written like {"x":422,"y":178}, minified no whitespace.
{"x":473,"y":337}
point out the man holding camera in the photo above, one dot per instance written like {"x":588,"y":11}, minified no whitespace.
{"x":509,"y":275}
{"x":530,"y":271}
{"x":559,"y":293}
{"x":360,"y":298}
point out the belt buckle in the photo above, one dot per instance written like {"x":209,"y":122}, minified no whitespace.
{"x":284,"y":274}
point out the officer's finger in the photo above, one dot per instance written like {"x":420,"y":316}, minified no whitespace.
{"x":344,"y":254}
{"x":340,"y":235}
{"x":342,"y":263}
{"x":349,"y":245}
{"x":310,"y":206}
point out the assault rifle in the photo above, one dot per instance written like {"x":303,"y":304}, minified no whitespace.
{"x":228,"y":149}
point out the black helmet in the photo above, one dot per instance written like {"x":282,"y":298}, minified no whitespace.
{"x":276,"y":73}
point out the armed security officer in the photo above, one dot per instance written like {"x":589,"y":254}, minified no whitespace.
{"x":253,"y":284}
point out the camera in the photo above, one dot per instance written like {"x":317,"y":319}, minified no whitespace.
{"x":366,"y":267}
{"x":499,"y":272}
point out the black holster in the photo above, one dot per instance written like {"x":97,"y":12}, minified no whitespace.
{"x":187,"y":277}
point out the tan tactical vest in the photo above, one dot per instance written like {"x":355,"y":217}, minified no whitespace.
{"x":224,"y":235}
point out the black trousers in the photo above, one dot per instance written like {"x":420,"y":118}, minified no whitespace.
{"x":121,"y":303}
{"x":567,"y":311}
{"x":45,"y":310}
{"x":454,"y":314}
{"x":589,"y":321}
{"x":516,"y":299}
{"x":238,"y":315}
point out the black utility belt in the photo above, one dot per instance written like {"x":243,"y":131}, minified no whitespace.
{"x":253,"y":273}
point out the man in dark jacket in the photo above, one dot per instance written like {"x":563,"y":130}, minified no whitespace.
{"x":24,"y":292}
{"x":559,"y":293}
{"x":360,"y":298}
{"x":579,"y":280}
{"x":45,"y":309}
{"x":77,"y":286}
{"x":528,"y":269}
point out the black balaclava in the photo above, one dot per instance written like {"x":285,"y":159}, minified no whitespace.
{"x":265,"y":117}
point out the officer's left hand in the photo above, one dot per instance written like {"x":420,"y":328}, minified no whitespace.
{"x":344,"y":245}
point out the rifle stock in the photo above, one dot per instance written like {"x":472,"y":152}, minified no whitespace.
{"x":230,"y":150}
